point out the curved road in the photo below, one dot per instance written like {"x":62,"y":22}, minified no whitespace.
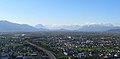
{"x":50,"y":54}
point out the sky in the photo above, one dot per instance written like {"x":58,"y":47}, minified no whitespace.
{"x":60,"y":12}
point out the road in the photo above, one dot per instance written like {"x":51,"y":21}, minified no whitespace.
{"x":50,"y":54}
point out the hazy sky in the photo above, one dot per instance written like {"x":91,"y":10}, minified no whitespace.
{"x":60,"y":11}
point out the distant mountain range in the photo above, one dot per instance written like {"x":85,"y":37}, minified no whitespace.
{"x":96,"y":27}
{"x":86,"y":28}
{"x":100,"y":28}
{"x":6,"y":26}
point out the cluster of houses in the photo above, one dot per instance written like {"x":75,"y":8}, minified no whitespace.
{"x":64,"y":45}
{"x":81,"y":45}
{"x":14,"y":47}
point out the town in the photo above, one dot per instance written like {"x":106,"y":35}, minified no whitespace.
{"x":60,"y":45}
{"x":13,"y":46}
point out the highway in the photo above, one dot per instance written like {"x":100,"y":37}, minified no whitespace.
{"x":50,"y":54}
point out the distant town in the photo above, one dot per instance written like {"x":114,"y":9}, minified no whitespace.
{"x":59,"y":45}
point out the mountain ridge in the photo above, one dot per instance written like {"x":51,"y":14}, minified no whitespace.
{"x":6,"y":26}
